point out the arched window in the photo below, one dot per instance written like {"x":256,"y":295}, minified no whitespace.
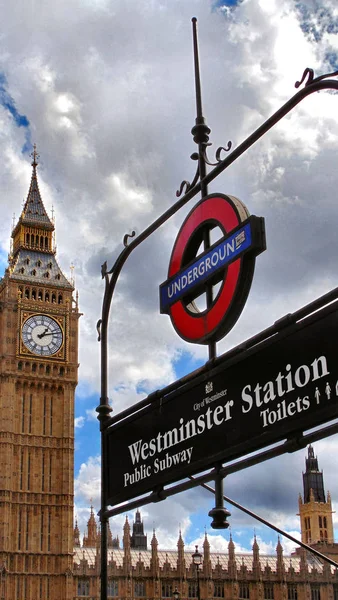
{"x":139,"y":589}
{"x":40,"y":295}
{"x":20,"y":366}
{"x":34,"y":367}
{"x":27,"y":239}
{"x":113,"y":588}
{"x":46,"y":243}
{"x":60,"y":299}
{"x":53,"y":298}
{"x":41,"y":241}
{"x":27,"y":293}
{"x":83,"y":587}
{"x":47,"y":296}
{"x":33,"y":294}
{"x":167,"y":590}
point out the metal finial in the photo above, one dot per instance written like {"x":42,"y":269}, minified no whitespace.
{"x":35,"y":155}
{"x":199,"y":115}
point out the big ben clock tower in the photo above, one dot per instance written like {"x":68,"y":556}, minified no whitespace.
{"x":38,"y":376}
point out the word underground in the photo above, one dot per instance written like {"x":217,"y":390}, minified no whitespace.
{"x":218,"y":257}
{"x":256,"y":396}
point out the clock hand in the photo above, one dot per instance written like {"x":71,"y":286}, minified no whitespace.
{"x":41,"y":335}
{"x":46,"y":332}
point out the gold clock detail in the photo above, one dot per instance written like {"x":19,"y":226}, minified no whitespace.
{"x":42,"y":335}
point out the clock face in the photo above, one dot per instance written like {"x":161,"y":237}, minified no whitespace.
{"x":42,"y":335}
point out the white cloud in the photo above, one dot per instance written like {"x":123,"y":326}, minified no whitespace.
{"x":110,"y":99}
{"x":79,"y":422}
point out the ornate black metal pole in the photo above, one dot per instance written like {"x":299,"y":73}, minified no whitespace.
{"x":200,"y":133}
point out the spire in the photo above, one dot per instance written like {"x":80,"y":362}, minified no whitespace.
{"x":256,"y":566}
{"x":34,"y":212}
{"x":126,"y":548}
{"x":313,"y":479}
{"x":180,"y":557}
{"x":90,"y":540}
{"x":154,"y":561}
{"x":206,"y":557}
{"x":232,"y":567}
{"x":280,"y":561}
{"x":76,"y":534}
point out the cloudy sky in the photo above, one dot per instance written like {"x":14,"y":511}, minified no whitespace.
{"x":105,"y":88}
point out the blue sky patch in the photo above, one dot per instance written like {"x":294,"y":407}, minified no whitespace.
{"x":7,"y":101}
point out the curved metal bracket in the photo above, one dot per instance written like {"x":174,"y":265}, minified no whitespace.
{"x":127,"y":236}
{"x":309,"y":74}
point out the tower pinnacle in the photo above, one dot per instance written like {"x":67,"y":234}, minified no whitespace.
{"x":35,"y":157}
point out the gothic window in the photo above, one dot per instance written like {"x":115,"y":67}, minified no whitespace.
{"x":292,"y":592}
{"x":41,"y":242}
{"x":48,"y":370}
{"x":27,"y":240}
{"x":46,"y":243}
{"x":268,"y":591}
{"x":47,"y":296}
{"x":23,"y":414}
{"x":218,"y":590}
{"x":83,"y":587}
{"x":315,"y":592}
{"x":113,"y":588}
{"x":42,"y":480}
{"x":62,"y":371}
{"x":320,"y":522}
{"x":20,"y":366}
{"x":19,"y":529}
{"x":139,"y":589}
{"x":48,"y":535}
{"x":44,"y":415}
{"x":40,"y":295}
{"x":53,"y":298}
{"x":167,"y":590}
{"x":325,"y":522}
{"x":60,"y":299}
{"x":30,"y":413}
{"x":244,"y":591}
{"x":192,"y":590}
{"x":29,"y":471}
{"x":33,"y":294}
{"x":307,"y":524}
{"x":27,"y":293}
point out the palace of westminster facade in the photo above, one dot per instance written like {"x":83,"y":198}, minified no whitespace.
{"x":41,"y":555}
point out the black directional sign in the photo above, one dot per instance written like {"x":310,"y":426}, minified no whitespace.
{"x":278,"y":388}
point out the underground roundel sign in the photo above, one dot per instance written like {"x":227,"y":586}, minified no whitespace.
{"x":211,"y":268}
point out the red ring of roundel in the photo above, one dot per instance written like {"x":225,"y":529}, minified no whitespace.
{"x":214,"y":323}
